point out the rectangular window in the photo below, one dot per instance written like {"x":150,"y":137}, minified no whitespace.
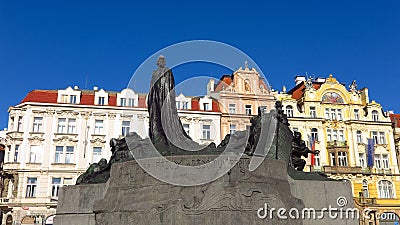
{"x":186,"y":127}
{"x":232,"y":108}
{"x":102,"y":101}
{"x":67,"y":182}
{"x":31,"y":187}
{"x":185,"y":105}
{"x":126,"y":125}
{"x":206,"y":106}
{"x":382,"y":139}
{"x":333,"y":159}
{"x":317,"y":160}
{"x":342,"y":158}
{"x":64,"y":99}
{"x":55,"y":186}
{"x":248,"y":109}
{"x":129,"y":102}
{"x":356,"y":114}
{"x":359,"y":137}
{"x":333,"y":114}
{"x":329,"y":135}
{"x":122,"y":102}
{"x":16,"y":151}
{"x":377,"y":160}
{"x":339,"y":114}
{"x":313,"y":113}
{"x":96,"y":154}
{"x":361,"y":159}
{"x":58,"y":155}
{"x":375,"y":136}
{"x":98,"y":127}
{"x":35,"y":154}
{"x":19,"y":127}
{"x":327,"y":114}
{"x":69,"y":154}
{"x":206,"y":132}
{"x":341,"y":135}
{"x":232,"y":128}
{"x":71,"y":126}
{"x":62,"y":126}
{"x":11,"y":125}
{"x":37,"y":124}
{"x":385,"y":161}
{"x":72,"y":99}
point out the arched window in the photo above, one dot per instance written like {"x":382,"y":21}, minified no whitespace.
{"x":365,"y":188}
{"x":359,"y":136}
{"x":289,"y":111}
{"x":314,"y":134}
{"x":375,"y":115}
{"x":385,"y":189}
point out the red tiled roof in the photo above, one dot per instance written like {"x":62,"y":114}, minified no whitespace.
{"x":395,"y":118}
{"x":298,"y":91}
{"x":225,"y":81}
{"x":87,"y":98}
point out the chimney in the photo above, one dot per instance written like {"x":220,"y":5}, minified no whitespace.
{"x":299,"y":79}
{"x":76,"y":87}
{"x":95,"y":88}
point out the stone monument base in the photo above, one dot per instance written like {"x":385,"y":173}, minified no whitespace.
{"x":131,"y":196}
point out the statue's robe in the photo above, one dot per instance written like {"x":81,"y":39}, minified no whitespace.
{"x":165,"y":128}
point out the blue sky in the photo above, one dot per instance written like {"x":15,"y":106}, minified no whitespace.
{"x":55,"y":44}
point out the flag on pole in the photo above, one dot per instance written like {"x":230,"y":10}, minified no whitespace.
{"x":370,"y":152}
{"x":312,"y":148}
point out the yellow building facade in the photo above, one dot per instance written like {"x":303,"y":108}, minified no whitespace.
{"x":341,"y":119}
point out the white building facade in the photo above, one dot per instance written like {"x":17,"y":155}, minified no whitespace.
{"x":54,"y":135}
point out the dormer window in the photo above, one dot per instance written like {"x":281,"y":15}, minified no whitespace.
{"x":72,"y":99}
{"x":102,"y":100}
{"x":128,"y":102}
{"x":375,"y":115}
{"x":206,"y":106}
{"x":69,"y":96}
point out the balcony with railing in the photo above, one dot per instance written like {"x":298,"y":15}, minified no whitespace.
{"x":335,"y":144}
{"x":343,"y":169}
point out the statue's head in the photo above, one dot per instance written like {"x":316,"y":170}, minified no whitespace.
{"x":278,"y":105}
{"x":161,"y":61}
{"x":102,"y":162}
{"x":297,"y":135}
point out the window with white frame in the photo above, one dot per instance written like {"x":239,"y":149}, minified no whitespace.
{"x":96,"y":154}
{"x":31,"y":187}
{"x":385,"y":161}
{"x":11,"y":123}
{"x":37,"y":124}
{"x":333,"y":114}
{"x":361,"y":160}
{"x":327,"y":114}
{"x":382,"y":139}
{"x":385,"y":189}
{"x":333,"y":158}
{"x":342,"y":158}
{"x":339,"y":114}
{"x":375,"y":115}
{"x":64,"y":98}
{"x":206,"y":131}
{"x":374,"y":135}
{"x":67,"y":182}
{"x":206,"y":106}
{"x":356,"y":114}
{"x":16,"y":152}
{"x":335,"y":135}
{"x":359,"y":136}
{"x":55,"y":186}
{"x":232,"y":128}
{"x":365,"y":189}
{"x":126,"y":125}
{"x":98,"y":127}
{"x":35,"y":153}
{"x":232,"y":108}
{"x":317,"y":160}
{"x":248,"y":109}
{"x":19,"y":125}
{"x":314,"y":134}
{"x":313,"y":112}
{"x":377,"y":161}
{"x":72,"y":99}
{"x":186,"y":127}
{"x":66,"y":126}
{"x":182,"y":105}
{"x":289,"y":111}
{"x":101,"y":101}
{"x":64,"y":154}
{"x":128,"y":102}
